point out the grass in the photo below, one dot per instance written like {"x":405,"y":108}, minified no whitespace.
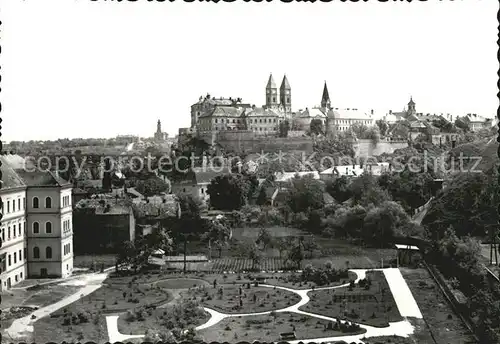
{"x":444,"y":325}
{"x":268,"y":328}
{"x":389,"y":339}
{"x":161,"y":320}
{"x":253,"y":299}
{"x":374,"y":307}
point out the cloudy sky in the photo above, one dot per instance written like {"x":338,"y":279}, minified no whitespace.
{"x":100,"y":69}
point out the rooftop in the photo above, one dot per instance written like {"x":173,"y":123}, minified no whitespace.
{"x":42,"y":178}
{"x":10,"y":179}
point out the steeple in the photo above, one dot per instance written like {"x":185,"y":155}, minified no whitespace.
{"x":158,"y":127}
{"x":411,"y":107}
{"x":286,"y":95}
{"x":271,"y":92}
{"x":325,"y":98}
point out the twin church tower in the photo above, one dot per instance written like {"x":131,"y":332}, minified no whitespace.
{"x":283,"y":99}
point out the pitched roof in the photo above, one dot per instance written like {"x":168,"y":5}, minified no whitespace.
{"x":10,"y":179}
{"x":224,"y":111}
{"x":286,"y":176}
{"x":270,"y":82}
{"x":158,"y":210}
{"x":116,"y":207}
{"x":42,"y":178}
{"x":312,"y":113}
{"x":284,"y":84}
{"x":351,"y":114}
{"x":258,"y":112}
{"x":205,"y":175}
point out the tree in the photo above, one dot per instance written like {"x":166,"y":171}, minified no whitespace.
{"x":151,"y":186}
{"x":339,"y":189}
{"x":296,"y":254}
{"x":264,"y":238}
{"x":253,"y":253}
{"x":463,"y":123}
{"x":366,"y":191}
{"x":383,"y":126}
{"x":228,"y":192}
{"x":310,"y":245}
{"x":262,"y":198}
{"x":126,"y":253}
{"x":305,"y":193}
{"x":384,"y":222}
{"x":316,"y":127}
{"x":284,"y":128}
{"x":218,"y":234}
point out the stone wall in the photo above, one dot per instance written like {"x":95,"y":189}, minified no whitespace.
{"x":366,"y":148}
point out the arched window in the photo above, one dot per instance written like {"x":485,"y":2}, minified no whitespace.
{"x":35,"y":202}
{"x":48,"y":227}
{"x":36,"y":252}
{"x":48,"y":202}
{"x":36,"y":228}
{"x":48,"y":252}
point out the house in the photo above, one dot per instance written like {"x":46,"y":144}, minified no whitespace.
{"x":355,"y":170}
{"x":36,"y":227}
{"x":196,"y":182}
{"x":477,"y":122}
{"x":286,"y":177}
{"x":103,"y":224}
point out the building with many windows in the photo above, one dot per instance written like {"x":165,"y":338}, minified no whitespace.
{"x":36,"y":227}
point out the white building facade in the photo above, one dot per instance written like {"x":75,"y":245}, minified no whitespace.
{"x":36,"y":226}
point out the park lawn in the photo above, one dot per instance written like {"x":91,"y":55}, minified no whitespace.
{"x":441,"y":321}
{"x":159,"y":320}
{"x":254,"y":298}
{"x":49,"y":329}
{"x":374,"y":307}
{"x":282,"y":280}
{"x":266,"y":328}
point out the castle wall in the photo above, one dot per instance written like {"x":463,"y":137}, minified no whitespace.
{"x":366,"y":148}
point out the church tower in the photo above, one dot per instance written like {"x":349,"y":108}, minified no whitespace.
{"x":411,"y":107}
{"x":325,"y":99}
{"x":286,"y":95}
{"x":271,"y":93}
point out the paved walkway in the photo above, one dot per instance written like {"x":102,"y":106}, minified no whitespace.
{"x":402,"y":296}
{"x":22,"y":327}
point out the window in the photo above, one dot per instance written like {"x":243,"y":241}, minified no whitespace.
{"x":48,"y":227}
{"x":274,"y":99}
{"x":18,"y":204}
{"x":15,"y":277}
{"x":36,"y":228}
{"x":24,"y":227}
{"x":25,"y":253}
{"x":8,"y":207}
{"x":24,"y":203}
{"x":36,"y":252}
{"x":21,"y":275}
{"x":48,"y":252}
{"x":35,"y":202}
{"x":20,"y":255}
{"x":15,"y":257}
{"x":14,"y":230}
{"x":3,"y":234}
{"x":8,"y":233}
{"x":19,"y":230}
{"x":69,"y":248}
{"x":13,"y":206}
{"x":268,"y":99}
{"x":288,"y":99}
{"x":9,"y":261}
{"x":48,"y":202}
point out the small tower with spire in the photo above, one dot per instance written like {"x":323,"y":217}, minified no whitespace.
{"x":286,"y":95}
{"x":325,"y":99}
{"x":411,"y":107}
{"x":271,"y":93}
{"x":159,"y":136}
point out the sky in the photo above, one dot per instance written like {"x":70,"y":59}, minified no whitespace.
{"x":78,"y":68}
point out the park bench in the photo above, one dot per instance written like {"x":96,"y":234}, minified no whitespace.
{"x":287,"y":335}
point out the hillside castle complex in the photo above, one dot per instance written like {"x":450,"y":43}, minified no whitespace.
{"x":212,"y":114}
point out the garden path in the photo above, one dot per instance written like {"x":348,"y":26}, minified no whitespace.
{"x":22,"y":327}
{"x":407,"y":307}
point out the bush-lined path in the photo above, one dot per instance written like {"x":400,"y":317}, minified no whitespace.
{"x":403,"y":297}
